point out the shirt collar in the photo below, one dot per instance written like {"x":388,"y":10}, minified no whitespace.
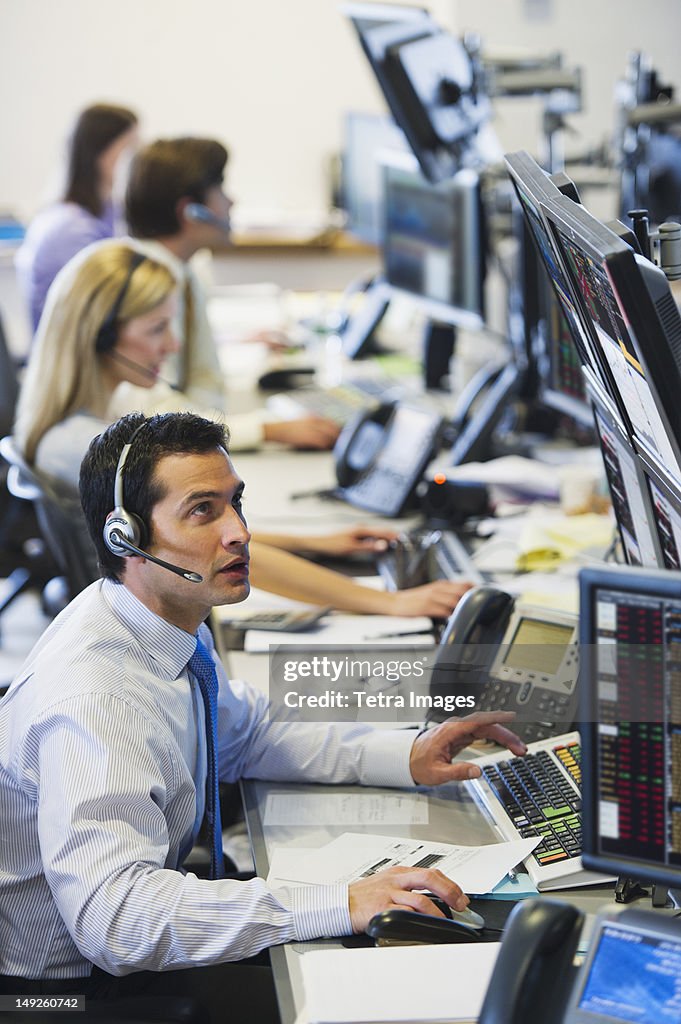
{"x":169,"y":646}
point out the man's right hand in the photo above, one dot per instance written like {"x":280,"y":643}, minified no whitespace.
{"x":394,"y":888}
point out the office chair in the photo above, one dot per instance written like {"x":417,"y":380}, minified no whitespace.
{"x":23,"y":557}
{"x":60,"y":519}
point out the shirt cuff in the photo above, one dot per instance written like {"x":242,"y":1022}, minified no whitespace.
{"x":320,"y":911}
{"x":386,"y":758}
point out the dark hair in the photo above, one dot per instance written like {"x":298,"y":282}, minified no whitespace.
{"x":172,"y":433}
{"x":96,"y":128}
{"x":163,"y":173}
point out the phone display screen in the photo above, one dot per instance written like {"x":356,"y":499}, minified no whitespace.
{"x":410,"y":429}
{"x":633,"y":977}
{"x":538,"y":646}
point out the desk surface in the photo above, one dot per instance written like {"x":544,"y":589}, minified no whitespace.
{"x":453,"y":817}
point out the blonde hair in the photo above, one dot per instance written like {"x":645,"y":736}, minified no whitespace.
{"x":64,"y":371}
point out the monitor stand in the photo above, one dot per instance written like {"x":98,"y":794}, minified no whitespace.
{"x":439,"y":343}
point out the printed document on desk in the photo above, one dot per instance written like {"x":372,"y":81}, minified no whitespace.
{"x":292,"y":807}
{"x":353,"y":855}
{"x":397,"y":983}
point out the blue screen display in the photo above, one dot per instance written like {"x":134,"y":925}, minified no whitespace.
{"x":634,"y":977}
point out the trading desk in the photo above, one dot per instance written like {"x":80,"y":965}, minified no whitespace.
{"x":454,"y":817}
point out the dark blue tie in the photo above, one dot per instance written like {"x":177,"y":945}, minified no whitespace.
{"x":202,"y":666}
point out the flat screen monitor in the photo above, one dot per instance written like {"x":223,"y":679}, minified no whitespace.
{"x":434,"y":245}
{"x":635,"y":321}
{"x":427,"y":79}
{"x":627,"y":487}
{"x":533,"y":187}
{"x":665,"y":501}
{"x":653,"y":183}
{"x":562,"y":382}
{"x":630,"y":628}
{"x":368,"y":139}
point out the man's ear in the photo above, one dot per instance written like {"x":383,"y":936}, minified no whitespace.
{"x":181,"y":211}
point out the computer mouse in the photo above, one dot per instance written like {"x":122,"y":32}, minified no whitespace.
{"x":410,"y":926}
{"x":468,"y":917}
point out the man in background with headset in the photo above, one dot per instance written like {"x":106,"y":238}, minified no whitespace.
{"x":114,"y":733}
{"x":175,"y":206}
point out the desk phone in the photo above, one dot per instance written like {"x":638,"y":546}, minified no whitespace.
{"x":632,"y":971}
{"x":522,"y":658}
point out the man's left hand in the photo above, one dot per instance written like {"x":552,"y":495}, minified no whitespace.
{"x":430,"y":761}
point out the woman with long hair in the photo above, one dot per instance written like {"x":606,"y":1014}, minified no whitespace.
{"x":101,"y":137}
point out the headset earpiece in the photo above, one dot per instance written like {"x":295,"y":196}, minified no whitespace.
{"x":119,"y":521}
{"x":107,"y":334}
{"x":128,"y":526}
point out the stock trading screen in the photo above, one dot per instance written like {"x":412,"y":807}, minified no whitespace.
{"x":638,"y":659}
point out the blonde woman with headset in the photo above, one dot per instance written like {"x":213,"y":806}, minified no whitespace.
{"x":109,"y":319}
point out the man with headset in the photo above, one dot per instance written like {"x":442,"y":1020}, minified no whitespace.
{"x":114,"y":733}
{"x":175,"y":206}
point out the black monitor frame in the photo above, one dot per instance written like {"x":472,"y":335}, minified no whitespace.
{"x":534,"y":187}
{"x":660,"y":585}
{"x":649,"y":349}
{"x":427,"y":79}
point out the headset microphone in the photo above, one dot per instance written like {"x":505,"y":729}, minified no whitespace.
{"x":201,"y":214}
{"x":124,"y":531}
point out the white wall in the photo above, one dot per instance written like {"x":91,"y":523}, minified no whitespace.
{"x":269,"y":77}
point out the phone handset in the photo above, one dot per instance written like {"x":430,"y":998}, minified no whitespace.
{"x":534,"y":972}
{"x":381,"y":455}
{"x":470,"y":642}
{"x":359,"y":442}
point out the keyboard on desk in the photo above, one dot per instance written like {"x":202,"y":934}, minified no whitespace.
{"x":426,"y":555}
{"x":341,"y":401}
{"x":539,"y":795}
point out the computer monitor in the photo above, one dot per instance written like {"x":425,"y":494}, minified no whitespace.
{"x":630,"y":626}
{"x":533,"y":187}
{"x":627,"y":486}
{"x":562,"y":385}
{"x":665,"y":501}
{"x":428,"y":82}
{"x":651,"y":175}
{"x":367,"y":139}
{"x":434,"y":242}
{"x":635,"y":322}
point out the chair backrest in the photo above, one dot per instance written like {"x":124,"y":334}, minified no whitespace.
{"x":59,"y":515}
{"x":9,"y":384}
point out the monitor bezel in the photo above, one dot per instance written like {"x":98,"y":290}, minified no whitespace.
{"x":604,"y":247}
{"x":653,"y":582}
{"x":652,"y":470}
{"x":530,"y":180}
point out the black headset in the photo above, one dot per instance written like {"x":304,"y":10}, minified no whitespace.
{"x":124,"y":532}
{"x":107,"y":334}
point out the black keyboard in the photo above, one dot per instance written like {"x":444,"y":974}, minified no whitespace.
{"x":537,"y":796}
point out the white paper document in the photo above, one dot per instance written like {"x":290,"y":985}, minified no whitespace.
{"x":399,"y":983}
{"x":477,"y":869}
{"x":292,"y":808}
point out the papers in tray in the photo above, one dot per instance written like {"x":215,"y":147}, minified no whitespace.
{"x":398,"y":983}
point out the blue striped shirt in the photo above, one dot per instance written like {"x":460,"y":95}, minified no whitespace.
{"x":102,"y":776}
